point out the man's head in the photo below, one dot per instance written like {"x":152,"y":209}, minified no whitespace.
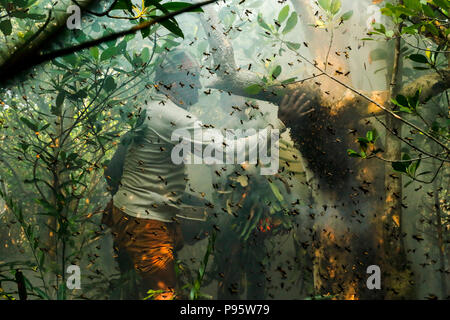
{"x":179,"y":77}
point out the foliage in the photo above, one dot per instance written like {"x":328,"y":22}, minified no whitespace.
{"x":426,"y":21}
{"x":194,"y":280}
{"x":61,"y":124}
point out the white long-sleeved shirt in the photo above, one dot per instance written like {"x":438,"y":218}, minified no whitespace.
{"x":152,"y":184}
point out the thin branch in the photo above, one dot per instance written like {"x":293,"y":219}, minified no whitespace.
{"x":390,"y":112}
{"x":410,"y":144}
{"x":403,"y":161}
{"x":422,"y":49}
{"x":300,"y":81}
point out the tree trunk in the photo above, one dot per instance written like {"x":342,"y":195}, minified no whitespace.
{"x":396,"y":273}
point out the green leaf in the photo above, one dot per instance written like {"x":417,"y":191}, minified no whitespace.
{"x":29,"y":124}
{"x":291,"y":23}
{"x":283,"y":14}
{"x":413,"y":168}
{"x":428,"y":10}
{"x":44,"y":127}
{"x":420,"y":58}
{"x":71,"y":59}
{"x":94,"y":52}
{"x":110,"y":84}
{"x":59,"y":64}
{"x":401,"y":101}
{"x":325,"y":4}
{"x":6,"y":27}
{"x":389,"y":33}
{"x":292,"y":45}
{"x":262,"y":23}
{"x":124,"y":5}
{"x":175,"y":6}
{"x":379,"y":28}
{"x":35,"y":16}
{"x":335,"y":6}
{"x":346,"y":16}
{"x":288,"y":81}
{"x":145,"y":54}
{"x":19,"y":14}
{"x":414,"y":101}
{"x":373,"y":134}
{"x":276,"y":72}
{"x":60,"y":99}
{"x":172,"y":27}
{"x":444,"y":4}
{"x":253,"y":89}
{"x":276,"y":192}
{"x":353,"y":153}
{"x":146,"y":32}
{"x":413,"y":4}
{"x":61,"y":295}
{"x":402,"y":166}
{"x":108,"y":53}
{"x":363,"y":140}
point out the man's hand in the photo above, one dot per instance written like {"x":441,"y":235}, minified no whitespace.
{"x":293,"y":107}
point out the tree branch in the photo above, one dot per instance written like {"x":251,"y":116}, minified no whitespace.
{"x":22,"y":49}
{"x":29,"y":60}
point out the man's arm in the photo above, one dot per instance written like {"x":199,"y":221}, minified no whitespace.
{"x":113,"y":173}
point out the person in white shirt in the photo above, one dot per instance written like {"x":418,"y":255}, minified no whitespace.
{"x":148,"y":187}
